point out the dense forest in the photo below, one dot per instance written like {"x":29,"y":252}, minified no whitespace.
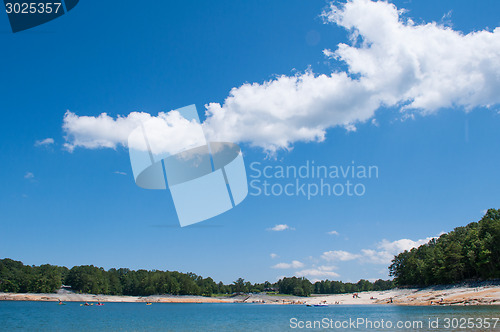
{"x":467,"y":253}
{"x":19,"y":278}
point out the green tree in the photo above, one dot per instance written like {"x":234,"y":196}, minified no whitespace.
{"x":469,"y":252}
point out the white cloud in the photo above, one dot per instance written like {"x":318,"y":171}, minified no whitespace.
{"x":280,"y":228}
{"x":292,"y":265}
{"x":120,"y":173}
{"x":273,"y":255}
{"x":328,"y":53}
{"x":46,"y":141}
{"x":399,"y":246}
{"x":428,"y":66}
{"x":383,"y":254}
{"x":339,"y":255}
{"x":396,"y":62}
{"x":29,"y":175}
{"x":167,"y":132}
{"x":277,"y":113}
{"x":333,"y":233}
{"x":102,"y":131}
{"x":377,"y":257}
{"x":318,"y":272}
{"x":391,"y":61}
{"x":387,"y":250}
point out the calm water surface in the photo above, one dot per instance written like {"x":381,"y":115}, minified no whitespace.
{"x":49,"y":316}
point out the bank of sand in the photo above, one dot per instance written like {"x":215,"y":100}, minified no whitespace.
{"x":457,"y":295}
{"x":74,"y":297}
{"x":445,"y":295}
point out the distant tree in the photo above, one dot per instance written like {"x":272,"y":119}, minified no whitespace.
{"x":240,"y":285}
{"x":295,"y":286}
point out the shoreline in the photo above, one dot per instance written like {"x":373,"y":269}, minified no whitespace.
{"x":439,"y":295}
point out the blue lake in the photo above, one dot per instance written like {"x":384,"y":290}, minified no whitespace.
{"x":49,"y":316}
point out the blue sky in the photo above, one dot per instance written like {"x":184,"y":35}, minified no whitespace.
{"x":438,"y":166}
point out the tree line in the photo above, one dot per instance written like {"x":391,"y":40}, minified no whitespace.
{"x":471,"y":252}
{"x":16,"y":277}
{"x":467,"y":253}
{"x":19,"y":278}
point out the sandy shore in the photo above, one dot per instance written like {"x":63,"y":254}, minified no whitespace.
{"x":483,"y":295}
{"x":73,"y":297}
{"x":450,"y":295}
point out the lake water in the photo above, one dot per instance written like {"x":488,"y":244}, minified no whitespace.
{"x":49,"y":316}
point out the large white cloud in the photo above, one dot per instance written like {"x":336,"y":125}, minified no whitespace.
{"x":278,"y":113}
{"x":102,"y":131}
{"x":396,"y":62}
{"x":391,"y":62}
{"x":166,"y":132}
{"x":427,"y":66}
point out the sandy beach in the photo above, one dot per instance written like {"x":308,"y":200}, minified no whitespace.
{"x":439,"y":295}
{"x":74,"y":297}
{"x":459,"y":295}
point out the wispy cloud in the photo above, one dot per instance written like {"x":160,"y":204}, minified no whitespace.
{"x":292,"y":265}
{"x":44,"y":142}
{"x":318,"y":272}
{"x":333,"y":233}
{"x":382,"y":254}
{"x":120,"y":173}
{"x":280,"y":228}
{"x":273,"y":255}
{"x":29,"y":175}
{"x":339,"y":255}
